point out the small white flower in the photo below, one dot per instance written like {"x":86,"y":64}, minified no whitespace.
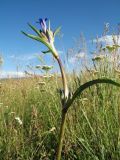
{"x":52,"y":129}
{"x":18,"y":120}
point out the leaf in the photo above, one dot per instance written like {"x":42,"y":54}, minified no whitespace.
{"x":36,"y":38}
{"x":32,"y":36}
{"x":87,"y":85}
{"x":46,"y":51}
{"x":35,"y":29}
{"x":57,"y":31}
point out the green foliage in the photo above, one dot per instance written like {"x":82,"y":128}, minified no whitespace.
{"x":46,"y":36}
{"x":36,"y":38}
{"x":35,"y":30}
{"x":92,"y":124}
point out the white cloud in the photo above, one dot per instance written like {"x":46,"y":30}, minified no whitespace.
{"x":77,"y":57}
{"x":108,"y":39}
{"x":25,"y":57}
{"x":11,"y":74}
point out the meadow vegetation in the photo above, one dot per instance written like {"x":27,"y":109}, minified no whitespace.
{"x":30,"y":118}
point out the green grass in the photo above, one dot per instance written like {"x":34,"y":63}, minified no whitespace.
{"x":93,"y":122}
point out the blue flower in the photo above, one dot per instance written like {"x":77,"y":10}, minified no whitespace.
{"x":46,"y":32}
{"x":42,"y":22}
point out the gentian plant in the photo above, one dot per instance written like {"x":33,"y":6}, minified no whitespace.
{"x":46,"y":36}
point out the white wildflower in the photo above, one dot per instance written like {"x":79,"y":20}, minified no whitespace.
{"x":18,"y":120}
{"x":98,"y":57}
{"x":52,"y":129}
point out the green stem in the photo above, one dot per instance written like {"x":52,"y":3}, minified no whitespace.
{"x":66,"y":93}
{"x":62,"y":130}
{"x":64,"y":80}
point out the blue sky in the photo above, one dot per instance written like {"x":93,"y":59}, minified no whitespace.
{"x":75,"y":16}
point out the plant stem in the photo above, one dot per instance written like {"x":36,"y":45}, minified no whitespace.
{"x":62,"y":130}
{"x":64,"y":80}
{"x":66,"y":93}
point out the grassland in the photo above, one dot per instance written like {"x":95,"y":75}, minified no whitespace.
{"x":30,"y":118}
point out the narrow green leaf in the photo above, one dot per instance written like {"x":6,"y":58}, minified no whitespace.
{"x":87,"y":85}
{"x":57,"y":31}
{"x":32,"y":36}
{"x":35,"y":38}
{"x":42,"y":40}
{"x":46,"y":51}
{"x":35,"y":29}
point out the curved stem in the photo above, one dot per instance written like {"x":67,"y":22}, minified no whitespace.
{"x":64,"y":80}
{"x":66,"y":92}
{"x":87,"y":85}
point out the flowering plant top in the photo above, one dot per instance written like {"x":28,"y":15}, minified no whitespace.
{"x":45,"y":35}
